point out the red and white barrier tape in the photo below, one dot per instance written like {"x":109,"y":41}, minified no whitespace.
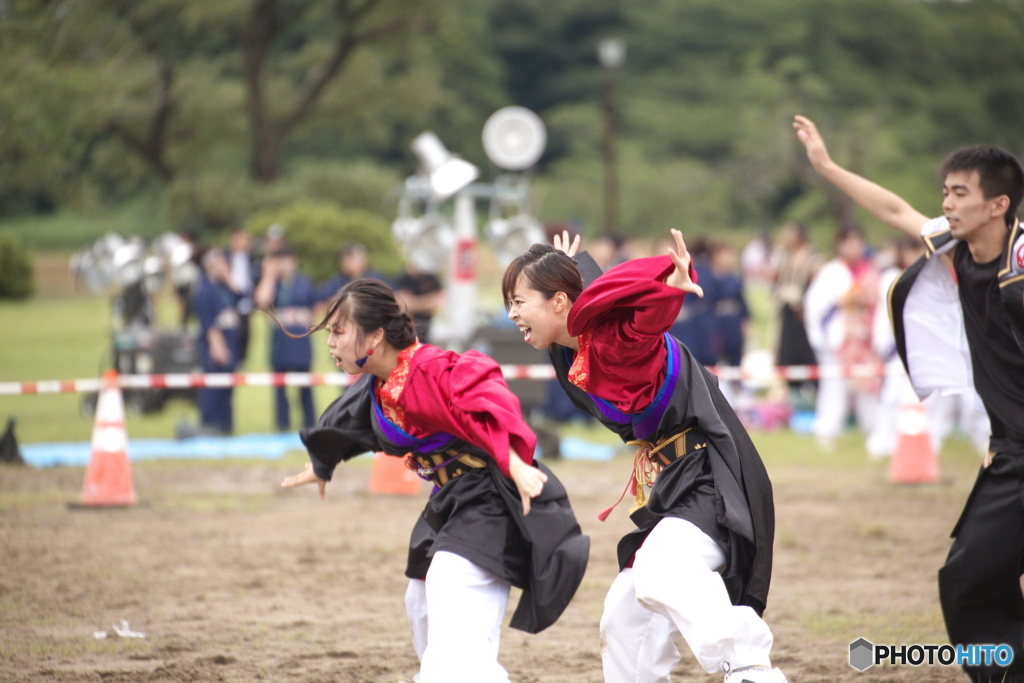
{"x":797,"y":373}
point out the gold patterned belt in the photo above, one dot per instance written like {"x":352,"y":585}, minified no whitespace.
{"x":652,"y":458}
{"x":441,"y":468}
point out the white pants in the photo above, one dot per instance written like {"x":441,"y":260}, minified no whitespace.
{"x":673,"y":590}
{"x":897,"y":390}
{"x":456,"y":615}
{"x":954,"y":409}
{"x":833,"y":405}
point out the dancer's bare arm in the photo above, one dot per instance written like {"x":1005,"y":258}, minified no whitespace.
{"x":884,"y":205}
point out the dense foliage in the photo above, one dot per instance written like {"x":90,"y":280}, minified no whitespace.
{"x":317,"y":230}
{"x":16,"y":277}
{"x":223,"y":108}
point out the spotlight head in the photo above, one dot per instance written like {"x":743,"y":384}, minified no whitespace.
{"x":514,"y":138}
{"x":447,"y":173}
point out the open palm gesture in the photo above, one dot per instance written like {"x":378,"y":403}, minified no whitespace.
{"x":680,"y":277}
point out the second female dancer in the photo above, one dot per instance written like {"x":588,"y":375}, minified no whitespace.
{"x":496,"y":519}
{"x":699,"y":563}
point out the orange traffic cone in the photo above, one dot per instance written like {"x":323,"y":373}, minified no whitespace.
{"x":913,"y":461}
{"x":108,"y":478}
{"x":390,"y":475}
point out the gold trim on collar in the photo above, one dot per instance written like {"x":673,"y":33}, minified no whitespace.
{"x":931,"y":239}
{"x":1014,"y":232}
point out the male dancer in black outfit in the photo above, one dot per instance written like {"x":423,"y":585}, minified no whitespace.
{"x":979,"y":586}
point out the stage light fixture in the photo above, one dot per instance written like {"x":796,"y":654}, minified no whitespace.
{"x":514,"y":138}
{"x":447,"y":173}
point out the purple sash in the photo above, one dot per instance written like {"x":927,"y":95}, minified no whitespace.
{"x":646,"y":423}
{"x":398,"y":436}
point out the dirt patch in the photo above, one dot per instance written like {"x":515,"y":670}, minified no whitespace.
{"x":233,"y":579}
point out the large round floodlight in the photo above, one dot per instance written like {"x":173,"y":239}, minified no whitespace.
{"x":514,"y":138}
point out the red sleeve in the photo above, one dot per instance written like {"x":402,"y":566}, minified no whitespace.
{"x":635,"y":294}
{"x":466,"y":396}
{"x":628,"y":309}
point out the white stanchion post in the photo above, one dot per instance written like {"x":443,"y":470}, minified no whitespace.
{"x":461,"y":302}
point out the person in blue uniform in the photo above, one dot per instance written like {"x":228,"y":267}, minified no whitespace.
{"x":292,"y":297}
{"x":695,"y":324}
{"x":244,"y":276}
{"x":353,"y":263}
{"x":731,"y":312}
{"x":214,"y":303}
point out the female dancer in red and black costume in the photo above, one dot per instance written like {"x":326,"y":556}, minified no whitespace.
{"x":699,"y":563}
{"x":495,"y":518}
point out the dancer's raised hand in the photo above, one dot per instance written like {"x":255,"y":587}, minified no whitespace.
{"x":562,"y":244}
{"x":680,"y":277}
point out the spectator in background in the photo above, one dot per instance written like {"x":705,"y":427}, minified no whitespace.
{"x":795,"y":263}
{"x":695,"y":325}
{"x":243,"y":281}
{"x":292,"y":297}
{"x":214,"y":303}
{"x":604,"y":249}
{"x":274,"y":240}
{"x":896,"y":387}
{"x":353,"y":263}
{"x":420,"y":295}
{"x":839,"y":312}
{"x":730,"y":313}
{"x":756,"y":259}
{"x":629,"y":249}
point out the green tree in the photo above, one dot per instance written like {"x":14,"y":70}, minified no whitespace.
{"x":317,"y":230}
{"x":16,"y":275}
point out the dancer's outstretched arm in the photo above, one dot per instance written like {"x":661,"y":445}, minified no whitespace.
{"x":881,"y":203}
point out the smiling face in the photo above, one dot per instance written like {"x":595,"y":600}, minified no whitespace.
{"x":542,"y":321}
{"x":965,"y":206}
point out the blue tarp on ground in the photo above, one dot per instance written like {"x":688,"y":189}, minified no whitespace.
{"x":76,"y":454}
{"x":241,"y":446}
{"x":579,"y":449}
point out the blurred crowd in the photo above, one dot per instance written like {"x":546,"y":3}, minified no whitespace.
{"x":827,"y":331}
{"x":232,"y":282}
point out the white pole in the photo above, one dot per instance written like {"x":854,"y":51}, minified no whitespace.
{"x":462,"y":274}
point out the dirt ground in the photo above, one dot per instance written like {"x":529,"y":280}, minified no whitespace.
{"x":233,"y":579}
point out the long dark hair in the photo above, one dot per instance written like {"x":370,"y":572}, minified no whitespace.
{"x":545,"y":269}
{"x":371,"y":305}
